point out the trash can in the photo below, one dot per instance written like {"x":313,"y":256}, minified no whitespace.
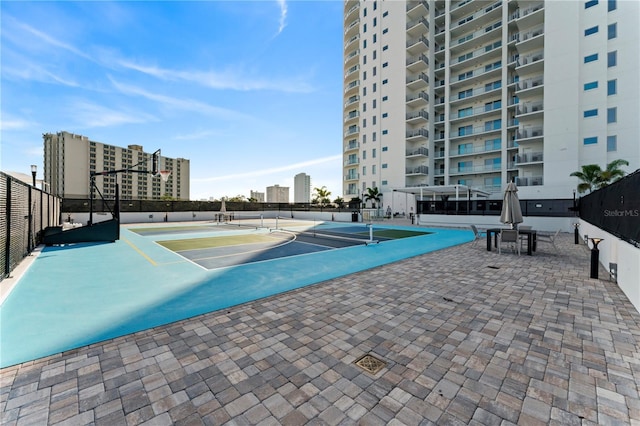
{"x":354,"y":216}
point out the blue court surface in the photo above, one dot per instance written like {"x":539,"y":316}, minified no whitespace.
{"x":79,"y":294}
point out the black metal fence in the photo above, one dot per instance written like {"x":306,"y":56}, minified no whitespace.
{"x":75,"y":205}
{"x":547,"y":207}
{"x":24,"y":212}
{"x":616,"y":208}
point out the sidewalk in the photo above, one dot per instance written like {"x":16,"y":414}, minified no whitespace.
{"x":465,"y":336}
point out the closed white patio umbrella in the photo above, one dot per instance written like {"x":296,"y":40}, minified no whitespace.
{"x":511,"y":211}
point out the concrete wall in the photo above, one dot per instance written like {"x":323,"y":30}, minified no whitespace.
{"x":626,"y":256}
{"x":546,"y":224}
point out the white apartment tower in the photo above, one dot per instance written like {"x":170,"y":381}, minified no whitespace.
{"x":69,"y":160}
{"x":277,"y":194}
{"x":478,"y":93}
{"x":302,"y":188}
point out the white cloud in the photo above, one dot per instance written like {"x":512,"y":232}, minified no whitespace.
{"x":227,"y":80}
{"x":271,"y":171}
{"x":91,"y":115}
{"x":182,"y":104}
{"x":283,"y":15}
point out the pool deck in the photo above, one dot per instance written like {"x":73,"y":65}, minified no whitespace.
{"x":467,"y":337}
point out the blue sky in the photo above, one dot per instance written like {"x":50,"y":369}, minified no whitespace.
{"x":249,"y":91}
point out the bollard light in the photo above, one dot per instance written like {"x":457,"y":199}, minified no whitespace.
{"x":576,"y":234}
{"x":595,"y":254}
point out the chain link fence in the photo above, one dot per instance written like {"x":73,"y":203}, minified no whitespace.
{"x":24,"y":212}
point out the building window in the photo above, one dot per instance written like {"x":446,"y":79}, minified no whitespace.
{"x":384,"y":165}
{"x":374,"y":137}
{"x":590,"y":58}
{"x":385,"y":149}
{"x":385,"y":47}
{"x":385,"y":14}
{"x":611,"y":5}
{"x":385,"y":132}
{"x":375,"y":38}
{"x":386,"y":30}
{"x":465,"y":130}
{"x":375,"y":70}
{"x":591,"y":85}
{"x":375,"y":21}
{"x":591,"y":140}
{"x":364,"y":170}
{"x":373,"y":153}
{"x":375,"y":103}
{"x":374,"y":119}
{"x":590,"y":3}
{"x":384,"y":182}
{"x":465,"y":112}
{"x":612,"y":87}
{"x":373,"y":169}
{"x":385,"y":114}
{"x":385,"y":98}
{"x":591,"y":30}
{"x":364,"y":75}
{"x":385,"y":64}
{"x":612,"y":115}
{"x":612,"y":143}
{"x":612,"y":59}
{"x":612,"y":31}
{"x":375,"y":87}
{"x":590,"y":113}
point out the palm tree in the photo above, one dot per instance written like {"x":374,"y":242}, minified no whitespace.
{"x":321,"y":196}
{"x":612,"y":173}
{"x":339,"y":202}
{"x":593,"y":177}
{"x":372,"y":195}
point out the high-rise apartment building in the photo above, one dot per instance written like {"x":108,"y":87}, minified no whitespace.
{"x":277,"y":194}
{"x":302,"y":188}
{"x":257,"y":196}
{"x":478,"y":93}
{"x":69,"y":160}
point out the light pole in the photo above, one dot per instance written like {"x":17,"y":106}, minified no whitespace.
{"x":595,"y":254}
{"x":34,"y":170}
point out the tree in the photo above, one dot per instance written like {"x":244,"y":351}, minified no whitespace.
{"x":612,"y":173}
{"x":321,"y":196}
{"x":372,"y":195}
{"x":339,"y":202}
{"x":593,"y":177}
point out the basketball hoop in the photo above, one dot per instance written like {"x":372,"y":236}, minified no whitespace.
{"x":164,"y":174}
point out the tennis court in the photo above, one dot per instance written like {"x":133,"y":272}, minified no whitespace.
{"x":241,"y":241}
{"x":156,"y":274}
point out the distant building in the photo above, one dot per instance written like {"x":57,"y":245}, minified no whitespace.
{"x":302,"y":188}
{"x":277,"y":194}
{"x":258,"y":196}
{"x":69,"y":160}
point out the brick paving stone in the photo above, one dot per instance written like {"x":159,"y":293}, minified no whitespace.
{"x":532,"y":342}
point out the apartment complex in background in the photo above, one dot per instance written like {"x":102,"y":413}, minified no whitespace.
{"x":277,"y":194}
{"x":69,"y":160}
{"x":257,"y":196}
{"x":302,"y":188}
{"x":475,"y":94}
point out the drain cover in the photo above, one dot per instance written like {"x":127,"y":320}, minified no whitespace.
{"x":370,"y":364}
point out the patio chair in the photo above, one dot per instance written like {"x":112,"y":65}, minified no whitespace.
{"x":549,"y":239}
{"x":479,"y":235}
{"x":523,"y":238}
{"x":509,"y":237}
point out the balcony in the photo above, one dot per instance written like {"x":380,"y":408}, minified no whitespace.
{"x":353,"y":39}
{"x":478,"y":36}
{"x":352,"y":29}
{"x":529,"y":135}
{"x":529,"y":108}
{"x":419,"y":170}
{"x":416,"y":99}
{"x":350,"y":11}
{"x":486,"y":50}
{"x":474,"y":112}
{"x":353,"y":86}
{"x":529,"y":181}
{"x":529,"y":158}
{"x":529,"y":83}
{"x":468,"y":94}
{"x":523,"y":13}
{"x":417,"y":134}
{"x":524,"y":36}
{"x":352,"y":100}
{"x":353,"y":69}
{"x":474,"y":131}
{"x":479,"y":18}
{"x":352,"y":56}
{"x":351,"y":162}
{"x":418,"y":152}
{"x":492,"y":168}
{"x":418,"y":81}
{"x":532,"y":62}
{"x":418,"y":26}
{"x":474,"y":150}
{"x":417,"y":8}
{"x":478,"y":73}
{"x":353,"y":115}
{"x":417,"y":45}
{"x":353,"y":130}
{"x":352,"y":145}
{"x":417,"y":116}
{"x":417,"y":63}
{"x":352,"y":176}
